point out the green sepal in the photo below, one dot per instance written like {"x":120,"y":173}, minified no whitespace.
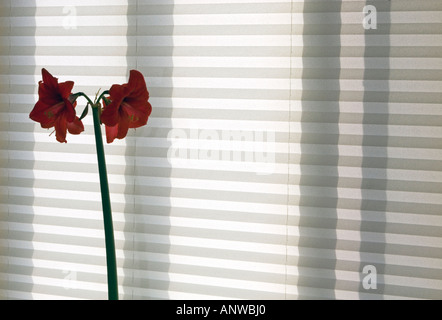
{"x":85,"y":111}
{"x":106,"y":101}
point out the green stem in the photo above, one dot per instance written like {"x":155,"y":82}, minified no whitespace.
{"x":82,"y":94}
{"x":112,"y":281}
{"x":102,"y":94}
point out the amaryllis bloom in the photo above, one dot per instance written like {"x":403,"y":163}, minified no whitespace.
{"x":56,"y":107}
{"x":126,"y":107}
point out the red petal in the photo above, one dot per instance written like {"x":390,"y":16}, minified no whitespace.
{"x":69,"y":110}
{"x":65,"y":89}
{"x":48,"y":94}
{"x":118,"y":131}
{"x":137,"y":86}
{"x":110,"y":116}
{"x":61,"y":128}
{"x":136,"y":113}
{"x":117,"y":91}
{"x":76,"y":126}
{"x":37,"y":112}
{"x":46,"y":114}
{"x":111,"y":133}
{"x":123,"y":128}
{"x":48,"y":79}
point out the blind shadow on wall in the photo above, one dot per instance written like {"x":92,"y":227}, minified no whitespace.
{"x":17,"y":160}
{"x":148,"y":171}
{"x":319,"y":158}
{"x":375,"y":136}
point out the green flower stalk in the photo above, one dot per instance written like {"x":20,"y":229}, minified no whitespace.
{"x":111,"y":260}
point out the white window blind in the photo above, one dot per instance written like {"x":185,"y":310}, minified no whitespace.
{"x":370,"y":171}
{"x":288,"y":149}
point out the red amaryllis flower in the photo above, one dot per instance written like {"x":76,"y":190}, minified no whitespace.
{"x":128,"y":107}
{"x":56,"y":107}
